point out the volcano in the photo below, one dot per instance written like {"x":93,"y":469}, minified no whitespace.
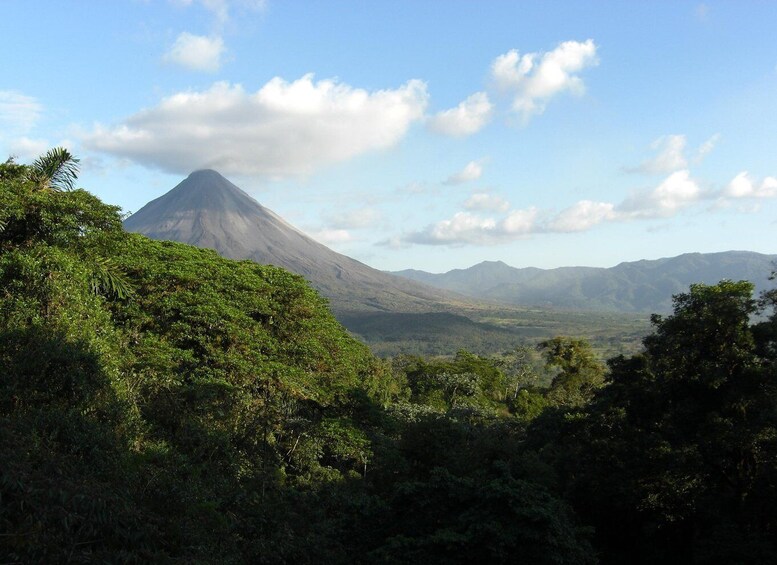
{"x":207,"y":210}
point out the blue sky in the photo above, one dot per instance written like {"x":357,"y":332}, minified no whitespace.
{"x":420,"y":134}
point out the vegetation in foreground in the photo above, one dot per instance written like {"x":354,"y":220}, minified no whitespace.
{"x":159,"y":403}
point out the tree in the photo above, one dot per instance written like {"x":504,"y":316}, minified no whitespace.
{"x":708,"y":339}
{"x":55,"y":170}
{"x":447,"y":518}
{"x":150,"y":428}
{"x":38,"y":206}
{"x":579,"y":375}
{"x":765,"y":332}
{"x":681,"y":445}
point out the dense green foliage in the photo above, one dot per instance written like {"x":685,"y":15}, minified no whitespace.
{"x":675,"y":459}
{"x":159,"y":403}
{"x":428,"y":334}
{"x":491,"y":330}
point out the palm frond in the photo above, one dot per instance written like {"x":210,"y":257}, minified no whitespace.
{"x":108,"y":279}
{"x":56,"y":169}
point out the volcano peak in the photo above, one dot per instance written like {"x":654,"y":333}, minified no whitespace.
{"x":207,"y":210}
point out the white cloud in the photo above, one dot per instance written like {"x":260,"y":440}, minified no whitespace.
{"x":27,"y":149}
{"x":355,"y":219}
{"x":670,"y":157}
{"x":465,"y":119}
{"x":519,"y":222}
{"x":486,"y":202}
{"x":673,"y":194}
{"x":205,"y":53}
{"x":196,"y":52}
{"x":582,"y":216}
{"x":533,"y":78}
{"x":464,"y":228}
{"x":677,"y":191}
{"x":671,"y":154}
{"x":472,"y":171}
{"x":332,"y":236}
{"x":18,"y":111}
{"x":743,"y":186}
{"x":707,"y":147}
{"x":284,"y":128}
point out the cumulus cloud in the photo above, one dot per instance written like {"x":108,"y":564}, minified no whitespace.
{"x":18,"y":111}
{"x":284,"y":128}
{"x":465,"y":119}
{"x":672,"y":195}
{"x":196,"y":52}
{"x":203,"y":52}
{"x":677,"y":191}
{"x":472,"y":171}
{"x":743,"y":186}
{"x":534,"y":78}
{"x":671,"y":154}
{"x":488,"y":219}
{"x":582,"y":216}
{"x":486,"y":202}
{"x":519,"y":222}
{"x":670,"y":157}
{"x":465,"y":227}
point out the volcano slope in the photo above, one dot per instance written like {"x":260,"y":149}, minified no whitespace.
{"x":207,"y":210}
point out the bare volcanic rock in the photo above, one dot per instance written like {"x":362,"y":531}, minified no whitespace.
{"x":207,"y":210}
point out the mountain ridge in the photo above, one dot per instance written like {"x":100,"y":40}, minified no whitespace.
{"x":646,"y":285}
{"x":207,"y":210}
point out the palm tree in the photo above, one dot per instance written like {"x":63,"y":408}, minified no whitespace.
{"x":56,"y":170}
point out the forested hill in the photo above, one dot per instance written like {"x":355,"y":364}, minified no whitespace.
{"x":639,"y":286}
{"x":153,"y":394}
{"x":162,"y":404}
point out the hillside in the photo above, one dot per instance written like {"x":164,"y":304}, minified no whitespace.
{"x":392,"y":314}
{"x":640,"y":286}
{"x":153,"y":393}
{"x":207,"y":210}
{"x":162,"y":404}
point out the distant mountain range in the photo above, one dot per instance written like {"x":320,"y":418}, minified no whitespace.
{"x":640,"y":286}
{"x":207,"y":210}
{"x":419,"y":312}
